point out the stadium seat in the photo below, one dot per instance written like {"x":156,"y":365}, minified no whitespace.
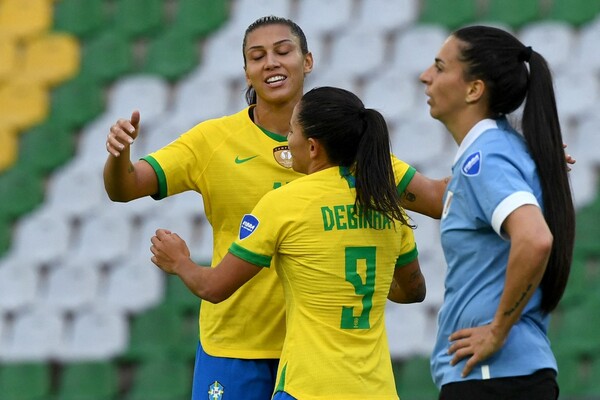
{"x":161,"y":380}
{"x":51,"y":59}
{"x":18,"y":286}
{"x":71,"y":285}
{"x":8,"y":55}
{"x":89,"y":381}
{"x":134,"y":286}
{"x":419,"y":140}
{"x":579,"y":330}
{"x":23,"y":104}
{"x":35,"y":335}
{"x":199,"y":18}
{"x":415,"y":48}
{"x":82,"y":18}
{"x":318,"y":18}
{"x":77,"y":102}
{"x":450,"y":14}
{"x":179,"y":297}
{"x":146,"y":342}
{"x":388,"y":16}
{"x":555,"y":40}
{"x":25,"y":19}
{"x":5,"y":236}
{"x":75,"y":190}
{"x":406,"y":339}
{"x":138,"y":18}
{"x":571,"y":376}
{"x":367,"y":42}
{"x":104,"y":237}
{"x":147,"y":93}
{"x":171,"y":55}
{"x":413,"y":379}
{"x":222,"y":57}
{"x":9,"y":147}
{"x":105,"y":69}
{"x":25,"y":381}
{"x":587,"y":48}
{"x":35,"y":142}
{"x":46,"y":232}
{"x":198,"y":100}
{"x":577,"y":93}
{"x":574,"y":12}
{"x":244,"y":12}
{"x":514,"y":13}
{"x":21,"y":191}
{"x":391,"y":93}
{"x":96,"y":334}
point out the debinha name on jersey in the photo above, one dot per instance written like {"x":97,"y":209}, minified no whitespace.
{"x":342,"y":217}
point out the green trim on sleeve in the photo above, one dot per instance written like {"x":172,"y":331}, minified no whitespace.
{"x":252,"y":258}
{"x":407,"y":257}
{"x":410,"y":173}
{"x":160,"y":175}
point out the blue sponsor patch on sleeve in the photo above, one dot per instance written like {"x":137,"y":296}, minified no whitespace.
{"x":248,"y":225}
{"x":472,"y":164}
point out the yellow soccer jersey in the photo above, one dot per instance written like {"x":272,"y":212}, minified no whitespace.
{"x":232,"y":163}
{"x":336,"y":272}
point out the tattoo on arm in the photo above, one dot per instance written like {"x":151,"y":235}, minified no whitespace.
{"x":409,"y":196}
{"x":509,"y":312}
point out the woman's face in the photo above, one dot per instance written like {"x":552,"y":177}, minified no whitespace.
{"x":445,"y":85}
{"x":298,"y":144}
{"x":275,"y":65}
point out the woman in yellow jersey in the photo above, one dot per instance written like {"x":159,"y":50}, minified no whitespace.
{"x":233,"y":161}
{"x":340,"y":243}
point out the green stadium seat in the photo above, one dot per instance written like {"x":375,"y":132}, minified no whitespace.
{"x":575,"y":12}
{"x":88,"y":381}
{"x":199,"y":18}
{"x":9,"y":147}
{"x":25,"y":381}
{"x":138,"y":18}
{"x":5,"y":236}
{"x":587,"y":232}
{"x":77,"y":102}
{"x":82,"y":18}
{"x":21,"y":190}
{"x":107,"y":56}
{"x":450,"y":14}
{"x":34,"y":145}
{"x":179,"y":297}
{"x":578,"y":330}
{"x":147,"y":341}
{"x":514,"y":13}
{"x":171,"y":55}
{"x":161,"y":380}
{"x":413,"y":379}
{"x":572,"y":377}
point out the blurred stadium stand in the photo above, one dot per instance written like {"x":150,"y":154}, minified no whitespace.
{"x":83,"y":312}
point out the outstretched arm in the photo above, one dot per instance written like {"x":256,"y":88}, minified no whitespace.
{"x":124,"y":180}
{"x":171,"y":254}
{"x":424,"y":195}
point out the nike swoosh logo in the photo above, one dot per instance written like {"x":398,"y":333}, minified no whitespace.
{"x":239,"y":160}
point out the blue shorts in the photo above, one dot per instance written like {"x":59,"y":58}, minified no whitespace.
{"x":218,"y":378}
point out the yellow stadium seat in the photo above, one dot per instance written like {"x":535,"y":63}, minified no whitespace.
{"x":8,"y":55}
{"x":23,"y":104}
{"x":24,"y":19}
{"x":51,"y":59}
{"x":9,"y":147}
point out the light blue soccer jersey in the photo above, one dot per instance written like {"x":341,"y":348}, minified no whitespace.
{"x":492,"y":175}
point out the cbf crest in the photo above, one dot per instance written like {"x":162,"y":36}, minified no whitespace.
{"x":215,"y":391}
{"x":283,"y":156}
